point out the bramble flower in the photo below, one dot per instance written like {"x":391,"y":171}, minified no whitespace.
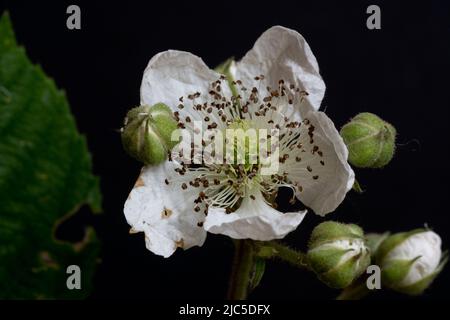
{"x":276,"y":87}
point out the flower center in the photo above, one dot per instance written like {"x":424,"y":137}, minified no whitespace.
{"x":244,"y":140}
{"x":255,"y":129}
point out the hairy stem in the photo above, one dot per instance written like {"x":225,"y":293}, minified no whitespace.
{"x":241,"y":270}
{"x":275,"y":249}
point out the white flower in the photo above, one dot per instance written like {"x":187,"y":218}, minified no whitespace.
{"x":279,"y":87}
{"x":411,"y":260}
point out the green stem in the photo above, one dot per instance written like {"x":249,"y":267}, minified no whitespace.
{"x":277,"y":250}
{"x":356,"y":291}
{"x":241,"y":270}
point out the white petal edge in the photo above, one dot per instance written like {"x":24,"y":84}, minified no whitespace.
{"x":163,"y":212}
{"x":173,"y":74}
{"x":254,"y":219}
{"x":282,"y":53}
{"x":336,"y":177}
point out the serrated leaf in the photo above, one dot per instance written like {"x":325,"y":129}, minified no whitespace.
{"x":45,"y":176}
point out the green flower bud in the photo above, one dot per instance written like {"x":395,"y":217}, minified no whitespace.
{"x":410,"y":261}
{"x":338,"y":253}
{"x":374,"y":240}
{"x":147,"y":133}
{"x":370,"y":141}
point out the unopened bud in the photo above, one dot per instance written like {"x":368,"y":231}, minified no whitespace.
{"x":147,"y":133}
{"x":410,"y":261}
{"x":338,"y":253}
{"x":370,"y":141}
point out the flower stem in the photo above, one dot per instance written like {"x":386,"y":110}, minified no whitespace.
{"x":241,"y":270}
{"x":275,"y":249}
{"x":356,"y":291}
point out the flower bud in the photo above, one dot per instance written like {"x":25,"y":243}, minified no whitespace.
{"x":374,"y":240}
{"x":410,"y":261}
{"x":147,"y":133}
{"x":370,"y":141}
{"x":338,"y":253}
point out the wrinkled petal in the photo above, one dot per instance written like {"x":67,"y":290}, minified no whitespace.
{"x":173,"y":74}
{"x":282,"y":53}
{"x":165,"y":213}
{"x":320,"y":167}
{"x":254,"y":219}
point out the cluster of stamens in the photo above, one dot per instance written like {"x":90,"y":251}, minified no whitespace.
{"x":225,"y":184}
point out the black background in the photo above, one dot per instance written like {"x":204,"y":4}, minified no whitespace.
{"x":397,"y":72}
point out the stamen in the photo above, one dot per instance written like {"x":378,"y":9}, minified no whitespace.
{"x":224,"y":185}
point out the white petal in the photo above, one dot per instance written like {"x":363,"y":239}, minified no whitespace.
{"x":173,"y":74}
{"x":163,"y":212}
{"x":427,"y":245}
{"x":253,"y":220}
{"x":324,"y":175}
{"x":282,"y":53}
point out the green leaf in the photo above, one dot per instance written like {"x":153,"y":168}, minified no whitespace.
{"x":45,"y":176}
